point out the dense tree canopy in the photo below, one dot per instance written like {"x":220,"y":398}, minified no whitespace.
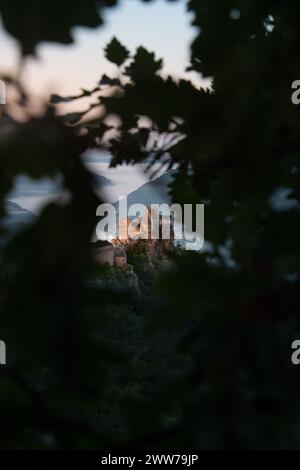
{"x":209,"y":364}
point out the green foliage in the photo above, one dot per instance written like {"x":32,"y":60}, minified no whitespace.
{"x":137,"y":253}
{"x":32,"y":22}
{"x":145,"y":268}
{"x":144,"y":65}
{"x":116,"y":53}
{"x":229,"y":314}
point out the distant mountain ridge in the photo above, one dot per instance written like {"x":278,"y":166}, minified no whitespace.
{"x":17,"y":217}
{"x":153,"y":192}
{"x":100,"y":179}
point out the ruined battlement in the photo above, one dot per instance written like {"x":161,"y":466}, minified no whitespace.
{"x":130,"y":231}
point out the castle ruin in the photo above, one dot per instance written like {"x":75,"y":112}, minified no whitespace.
{"x":115,"y":253}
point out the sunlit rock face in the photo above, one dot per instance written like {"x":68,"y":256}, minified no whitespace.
{"x":131,"y":232}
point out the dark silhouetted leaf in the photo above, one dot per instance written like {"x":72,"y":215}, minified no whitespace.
{"x":115,"y":52}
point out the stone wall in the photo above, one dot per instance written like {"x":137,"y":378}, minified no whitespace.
{"x":120,"y":261}
{"x":105,"y":254}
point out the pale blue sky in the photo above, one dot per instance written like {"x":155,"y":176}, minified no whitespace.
{"x":160,"y":26}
